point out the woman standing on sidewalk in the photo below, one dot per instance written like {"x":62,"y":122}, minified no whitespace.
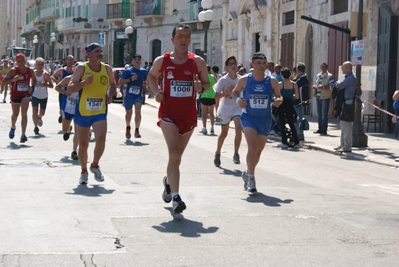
{"x":286,"y":111}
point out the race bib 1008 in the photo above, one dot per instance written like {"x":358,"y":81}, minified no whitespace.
{"x":94,"y":103}
{"x":258,"y":101}
{"x":181,"y":88}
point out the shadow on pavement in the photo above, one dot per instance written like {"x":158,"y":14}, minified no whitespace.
{"x":95,"y":191}
{"x":17,"y":146}
{"x":267,"y":200}
{"x":67,"y":159}
{"x":237,"y":173}
{"x":131,"y":143}
{"x":184,"y":227}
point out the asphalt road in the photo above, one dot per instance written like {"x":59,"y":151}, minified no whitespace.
{"x":313,"y":208}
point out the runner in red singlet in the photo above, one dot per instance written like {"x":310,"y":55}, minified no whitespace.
{"x":183,"y":75}
{"x":22,"y":81}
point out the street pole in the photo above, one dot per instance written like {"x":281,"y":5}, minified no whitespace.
{"x":206,"y":27}
{"x":359,"y":138}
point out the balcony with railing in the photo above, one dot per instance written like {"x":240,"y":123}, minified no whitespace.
{"x":65,"y":25}
{"x":150,"y":10}
{"x":91,"y":25}
{"x":49,"y":14}
{"x":28,"y":28}
{"x":119,"y":12}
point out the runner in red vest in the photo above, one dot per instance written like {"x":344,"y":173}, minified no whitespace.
{"x":22,"y":80}
{"x":183,"y":75}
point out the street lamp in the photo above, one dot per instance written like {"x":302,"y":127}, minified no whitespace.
{"x":35,"y":41}
{"x":128,"y":32}
{"x":206,"y":16}
{"x":23,"y":42}
{"x":52,"y":40}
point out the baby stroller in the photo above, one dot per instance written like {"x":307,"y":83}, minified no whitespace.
{"x":288,"y":131}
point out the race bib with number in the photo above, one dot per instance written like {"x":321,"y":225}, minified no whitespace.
{"x":181,"y":88}
{"x":135,"y":90}
{"x":70,"y":104}
{"x":258,"y":101}
{"x":94,"y":103}
{"x":22,"y":87}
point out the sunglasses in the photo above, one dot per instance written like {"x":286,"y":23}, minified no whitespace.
{"x":39,"y":64}
{"x":182,"y":36}
{"x":232,"y":64}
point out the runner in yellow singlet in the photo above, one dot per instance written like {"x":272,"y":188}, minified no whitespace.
{"x":4,"y":68}
{"x":92,"y":80}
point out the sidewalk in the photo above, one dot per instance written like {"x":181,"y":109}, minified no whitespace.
{"x":383,"y":148}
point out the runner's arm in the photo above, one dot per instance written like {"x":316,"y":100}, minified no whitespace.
{"x":112,"y":84}
{"x":154,"y":74}
{"x":10,"y":77}
{"x":76,"y":84}
{"x":202,"y":74}
{"x":49,"y":82}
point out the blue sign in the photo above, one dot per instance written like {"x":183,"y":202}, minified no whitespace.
{"x":357,"y":52}
{"x":101,"y":38}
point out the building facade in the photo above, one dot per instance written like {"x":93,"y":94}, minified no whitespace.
{"x":287,"y":31}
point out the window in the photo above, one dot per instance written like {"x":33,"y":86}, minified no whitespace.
{"x":339,"y":6}
{"x":289,"y":18}
{"x":257,"y":43}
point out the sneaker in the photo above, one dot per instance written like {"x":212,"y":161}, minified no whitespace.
{"x":166,"y":196}
{"x":4,"y":101}
{"x":203,"y":131}
{"x":137,"y":134}
{"x":40,"y":122}
{"x":36,"y":130}
{"x":236,"y":158}
{"x":251,"y":184}
{"x":23,"y":138}
{"x":282,"y":145}
{"x":59,"y":119}
{"x":178,"y":205}
{"x":216,"y":161}
{"x":245,"y":179}
{"x":66,"y":136}
{"x":98,"y":176}
{"x":128,"y":134}
{"x":11,"y":133}
{"x":84,"y":177}
{"x":212,"y":130}
{"x":74,"y":155}
{"x":338,"y":147}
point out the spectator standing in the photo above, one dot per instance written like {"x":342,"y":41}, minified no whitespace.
{"x":322,"y":90}
{"x":349,"y":84}
{"x":303,"y":89}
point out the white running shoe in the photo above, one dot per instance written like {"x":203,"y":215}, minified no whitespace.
{"x":40,"y":122}
{"x":204,"y":131}
{"x":98,"y":176}
{"x":84,"y":177}
{"x":251,"y":184}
